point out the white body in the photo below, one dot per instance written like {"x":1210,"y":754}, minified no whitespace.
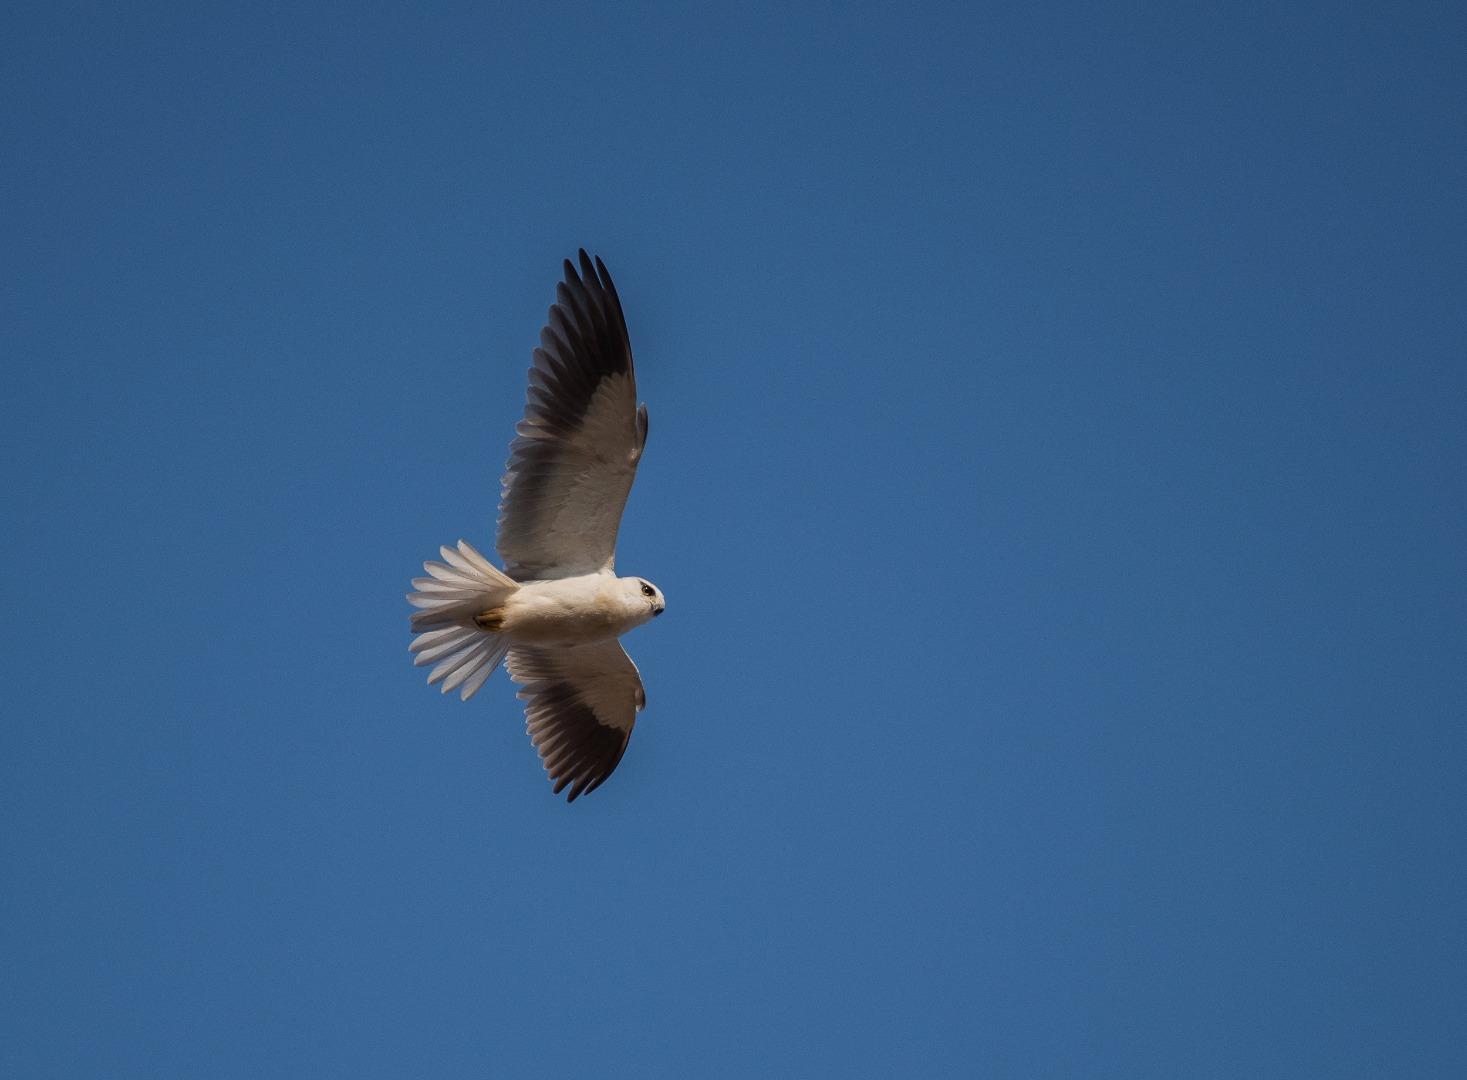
{"x":576,"y":610}
{"x":470,"y":614}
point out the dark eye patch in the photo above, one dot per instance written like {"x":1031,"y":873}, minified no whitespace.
{"x":647,"y":590}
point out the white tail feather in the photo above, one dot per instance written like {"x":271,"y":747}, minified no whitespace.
{"x":460,"y":639}
{"x":462,"y":587}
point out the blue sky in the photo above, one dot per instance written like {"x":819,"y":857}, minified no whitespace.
{"x":1058,"y":445}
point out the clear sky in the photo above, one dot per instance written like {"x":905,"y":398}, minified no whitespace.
{"x":1056,"y":475}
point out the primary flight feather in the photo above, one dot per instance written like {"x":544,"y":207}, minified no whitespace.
{"x":555,"y":612}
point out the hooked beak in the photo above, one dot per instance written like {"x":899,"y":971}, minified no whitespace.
{"x":658,"y":609}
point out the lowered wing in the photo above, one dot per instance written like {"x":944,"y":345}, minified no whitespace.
{"x":580,"y":705}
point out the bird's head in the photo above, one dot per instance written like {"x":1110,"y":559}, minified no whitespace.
{"x":647,"y":595}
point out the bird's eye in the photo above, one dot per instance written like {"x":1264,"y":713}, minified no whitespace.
{"x":647,"y":590}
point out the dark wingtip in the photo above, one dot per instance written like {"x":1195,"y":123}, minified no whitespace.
{"x":605,"y":276}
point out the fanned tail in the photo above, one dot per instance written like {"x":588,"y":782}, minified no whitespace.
{"x":453,"y":604}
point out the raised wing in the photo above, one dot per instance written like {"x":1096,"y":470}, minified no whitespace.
{"x":576,"y":451}
{"x":580,"y":705}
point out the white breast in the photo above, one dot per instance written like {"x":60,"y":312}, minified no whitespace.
{"x":569,"y":611}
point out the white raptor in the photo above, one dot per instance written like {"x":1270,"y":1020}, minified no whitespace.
{"x":556,"y":610}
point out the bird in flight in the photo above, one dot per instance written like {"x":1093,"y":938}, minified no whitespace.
{"x":555,"y":612}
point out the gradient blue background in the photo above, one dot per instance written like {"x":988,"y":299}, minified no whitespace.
{"x":1057,"y":461}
